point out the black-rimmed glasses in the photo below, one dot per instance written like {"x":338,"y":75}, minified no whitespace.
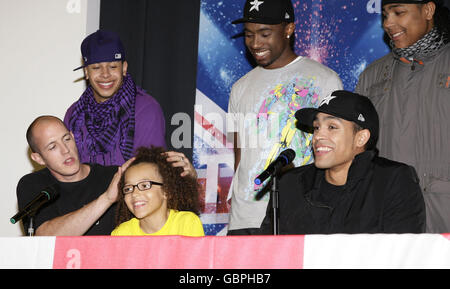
{"x":142,"y":186}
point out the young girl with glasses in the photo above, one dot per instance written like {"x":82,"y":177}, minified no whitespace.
{"x":155,"y":200}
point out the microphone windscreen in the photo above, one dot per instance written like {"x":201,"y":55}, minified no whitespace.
{"x":289,"y":154}
{"x":51,"y":191}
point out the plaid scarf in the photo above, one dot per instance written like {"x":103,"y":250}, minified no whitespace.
{"x":426,"y":46}
{"x":107,"y":123}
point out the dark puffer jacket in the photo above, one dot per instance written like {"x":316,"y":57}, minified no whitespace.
{"x":380,"y":196}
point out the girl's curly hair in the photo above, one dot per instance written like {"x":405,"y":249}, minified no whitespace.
{"x":182,"y":192}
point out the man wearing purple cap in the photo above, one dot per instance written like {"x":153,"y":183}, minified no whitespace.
{"x":281,"y":83}
{"x":410,"y":87}
{"x":113,"y":116}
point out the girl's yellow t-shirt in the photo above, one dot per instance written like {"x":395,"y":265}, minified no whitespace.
{"x":178,"y":223}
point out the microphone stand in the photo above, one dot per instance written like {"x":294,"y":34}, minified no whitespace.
{"x":274,"y":195}
{"x":30,"y":225}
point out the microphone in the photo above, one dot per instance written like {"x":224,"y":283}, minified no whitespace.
{"x":46,"y":195}
{"x":275,"y":167}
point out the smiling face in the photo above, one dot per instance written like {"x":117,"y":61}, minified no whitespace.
{"x":405,"y":24}
{"x":106,"y":78}
{"x":56,"y":149}
{"x":336,"y":143}
{"x":269,"y":44}
{"x":150,"y":202}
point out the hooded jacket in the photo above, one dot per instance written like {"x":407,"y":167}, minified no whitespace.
{"x":380,"y":196}
{"x":413,"y":102}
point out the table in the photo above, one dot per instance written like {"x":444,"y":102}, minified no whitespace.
{"x":232,"y":252}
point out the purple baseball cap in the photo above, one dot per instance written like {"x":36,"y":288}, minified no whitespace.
{"x":101,"y":46}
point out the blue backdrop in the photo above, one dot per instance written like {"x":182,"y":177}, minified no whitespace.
{"x":345,"y":35}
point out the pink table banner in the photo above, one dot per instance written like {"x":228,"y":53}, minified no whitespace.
{"x":233,"y":252}
{"x":178,"y":252}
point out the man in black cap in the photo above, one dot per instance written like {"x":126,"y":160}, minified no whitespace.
{"x":348,"y":189}
{"x":410,"y":88}
{"x":268,"y":97}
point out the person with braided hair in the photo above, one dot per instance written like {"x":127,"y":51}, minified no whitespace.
{"x":410,"y":88}
{"x":155,"y":200}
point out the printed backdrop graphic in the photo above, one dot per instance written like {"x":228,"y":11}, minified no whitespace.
{"x":345,"y":35}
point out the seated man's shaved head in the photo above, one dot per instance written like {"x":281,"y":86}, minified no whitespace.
{"x":53,"y":146}
{"x":35,"y":123}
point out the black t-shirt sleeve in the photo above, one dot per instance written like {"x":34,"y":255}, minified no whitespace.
{"x":28,"y":188}
{"x":72,"y":196}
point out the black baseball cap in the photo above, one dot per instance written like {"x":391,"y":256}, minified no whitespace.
{"x":101,"y":46}
{"x":346,"y":105}
{"x":267,"y":12}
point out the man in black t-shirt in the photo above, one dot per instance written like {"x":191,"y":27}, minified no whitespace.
{"x":348,"y":189}
{"x":87,"y":192}
{"x":72,"y":197}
